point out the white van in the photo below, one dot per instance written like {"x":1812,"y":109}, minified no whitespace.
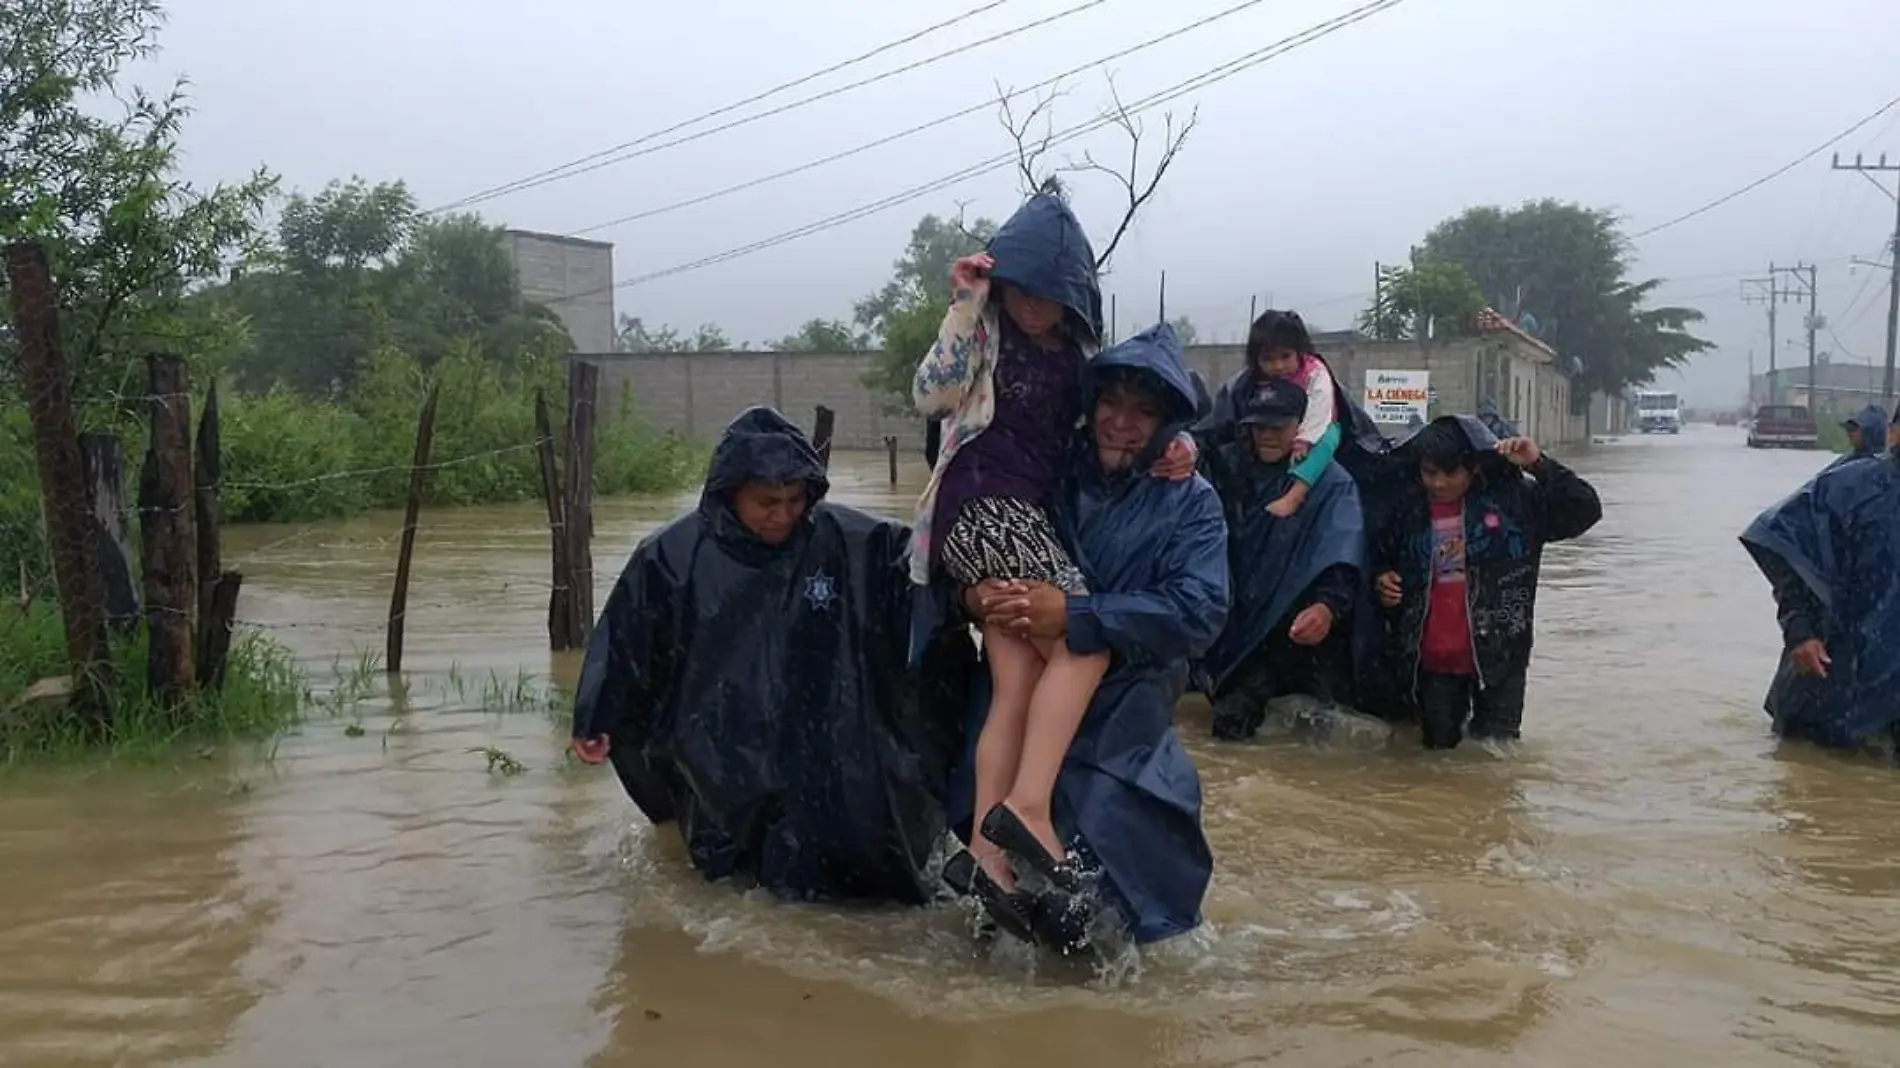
{"x":1658,"y":412}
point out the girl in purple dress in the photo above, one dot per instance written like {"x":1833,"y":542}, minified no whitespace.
{"x":1006,"y":377}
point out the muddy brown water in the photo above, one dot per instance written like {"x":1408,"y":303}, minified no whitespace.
{"x":1652,"y":880}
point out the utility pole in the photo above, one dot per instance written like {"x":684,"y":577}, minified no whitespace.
{"x":1768,"y":291}
{"x":1804,"y":274}
{"x":1418,"y":313}
{"x":1868,"y":170}
{"x":1378,"y":299}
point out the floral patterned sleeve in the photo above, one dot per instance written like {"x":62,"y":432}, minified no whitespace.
{"x":950,"y":368}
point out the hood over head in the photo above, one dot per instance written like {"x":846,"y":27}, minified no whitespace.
{"x":1156,"y":351}
{"x":760,"y":445}
{"x":1482,"y":439}
{"x":1043,"y":251}
{"x":1153,"y":357}
{"x":1872,"y":423}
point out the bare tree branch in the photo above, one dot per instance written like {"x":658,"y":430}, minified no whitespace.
{"x":963,"y":207}
{"x":1138,"y":190}
{"x":1029,"y":149}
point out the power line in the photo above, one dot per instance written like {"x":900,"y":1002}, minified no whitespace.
{"x":1198,"y":82}
{"x":607,"y":157}
{"x":941,"y":120}
{"x":1772,"y":175}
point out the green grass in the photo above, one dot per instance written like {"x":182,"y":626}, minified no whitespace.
{"x":261,"y":697}
{"x":265,"y":696}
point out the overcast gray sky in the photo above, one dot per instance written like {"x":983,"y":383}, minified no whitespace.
{"x":1305,"y":170}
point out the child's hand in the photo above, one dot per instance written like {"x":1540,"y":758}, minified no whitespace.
{"x":1178,"y":462}
{"x":1521,"y":451}
{"x":1390,"y":590}
{"x":972,"y":274}
{"x":1300,"y":449}
{"x":590,"y":750}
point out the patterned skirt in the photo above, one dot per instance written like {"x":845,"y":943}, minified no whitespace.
{"x":1007,"y":538}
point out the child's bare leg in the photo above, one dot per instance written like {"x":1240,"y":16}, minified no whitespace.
{"x":1290,"y":501}
{"x":1061,"y":699}
{"x":1015,"y":665}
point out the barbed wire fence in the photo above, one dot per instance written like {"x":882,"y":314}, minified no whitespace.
{"x":181,"y":589}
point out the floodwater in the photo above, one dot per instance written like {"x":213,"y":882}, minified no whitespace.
{"x":1651,"y":881}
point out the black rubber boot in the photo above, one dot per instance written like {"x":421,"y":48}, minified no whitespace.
{"x":1062,"y":921}
{"x":1006,"y":829}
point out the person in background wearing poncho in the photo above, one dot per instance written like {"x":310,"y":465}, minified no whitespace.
{"x":1866,"y":434}
{"x":1831,"y":553}
{"x":749,"y":679}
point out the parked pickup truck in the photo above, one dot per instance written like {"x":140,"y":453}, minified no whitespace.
{"x":1783,"y":426}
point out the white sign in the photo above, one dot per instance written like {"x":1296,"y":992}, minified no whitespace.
{"x":1398,"y":396}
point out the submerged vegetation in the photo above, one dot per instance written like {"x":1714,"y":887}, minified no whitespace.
{"x":265,"y":697}
{"x":261,"y":696}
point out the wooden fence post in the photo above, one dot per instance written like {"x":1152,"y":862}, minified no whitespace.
{"x":890,"y":448}
{"x":418,"y":474}
{"x":215,"y":632}
{"x":104,"y":457}
{"x":167,"y":532}
{"x":822,"y":426}
{"x":217,"y":588}
{"x":583,"y":392}
{"x":49,"y":399}
{"x":207,"y":469}
{"x":560,"y":596}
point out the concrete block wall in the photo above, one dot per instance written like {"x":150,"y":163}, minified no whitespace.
{"x":573,"y":278}
{"x":698,"y":393}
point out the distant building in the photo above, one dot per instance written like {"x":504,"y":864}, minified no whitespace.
{"x":573,"y":278}
{"x":1841,"y":388}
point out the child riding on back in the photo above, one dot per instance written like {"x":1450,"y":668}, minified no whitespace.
{"x":1280,"y":346}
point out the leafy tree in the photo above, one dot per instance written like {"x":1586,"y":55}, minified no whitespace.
{"x":908,"y":334}
{"x":824,"y":335}
{"x":710,"y":338}
{"x":635,"y":336}
{"x":349,"y":225}
{"x":1184,"y":330}
{"x":922,"y":274}
{"x":1567,"y":267}
{"x":1438,"y":296}
{"x":357,"y":269}
{"x":126,"y":237}
{"x":904,"y":315}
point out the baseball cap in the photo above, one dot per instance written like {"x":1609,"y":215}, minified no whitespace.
{"x":1275,"y":402}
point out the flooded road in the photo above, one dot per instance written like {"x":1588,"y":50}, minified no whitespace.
{"x":1652,"y":881}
